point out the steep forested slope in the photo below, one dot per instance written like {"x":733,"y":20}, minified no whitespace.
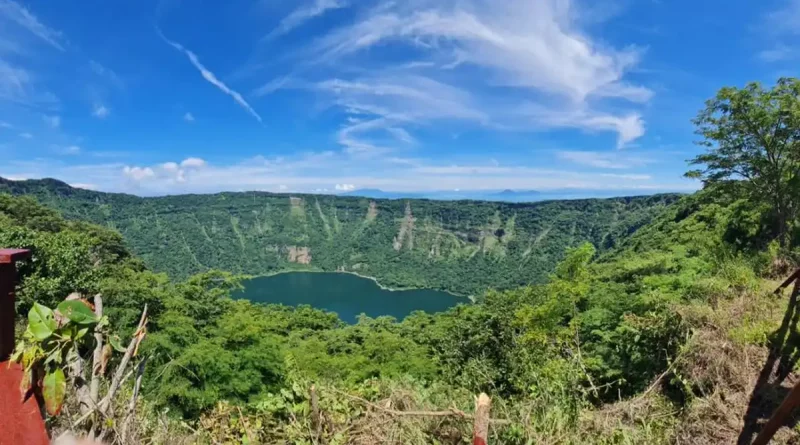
{"x":462,"y":246}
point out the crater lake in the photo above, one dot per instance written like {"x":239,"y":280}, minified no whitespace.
{"x":346,"y":294}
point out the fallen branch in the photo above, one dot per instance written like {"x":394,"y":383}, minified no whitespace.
{"x":452,"y":412}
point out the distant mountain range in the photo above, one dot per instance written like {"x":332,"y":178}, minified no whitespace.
{"x":506,"y":195}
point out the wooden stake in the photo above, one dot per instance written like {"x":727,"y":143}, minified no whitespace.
{"x":316,"y":422}
{"x":778,"y":419}
{"x":480,"y":435}
{"x":792,"y":400}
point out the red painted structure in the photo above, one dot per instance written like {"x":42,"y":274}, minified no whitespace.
{"x":21,"y":420}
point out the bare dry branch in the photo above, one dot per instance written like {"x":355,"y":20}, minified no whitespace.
{"x":123,"y":364}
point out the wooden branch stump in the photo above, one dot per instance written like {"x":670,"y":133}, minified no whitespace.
{"x":480,"y":434}
{"x":316,"y":422}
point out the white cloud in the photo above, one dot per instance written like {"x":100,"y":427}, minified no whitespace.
{"x":303,"y":14}
{"x":383,"y":104}
{"x":345,"y":187}
{"x":188,"y":117}
{"x":138,"y":173}
{"x":212,"y":79}
{"x":107,"y":73}
{"x":632,"y":177}
{"x":52,"y":121}
{"x":473,"y":61}
{"x":13,"y":12}
{"x":780,"y":27}
{"x":85,"y":186}
{"x":14,"y":82}
{"x":609,"y":160}
{"x":5,"y":125}
{"x":339,"y":172}
{"x":70,"y":150}
{"x":520,"y":43}
{"x":777,"y":53}
{"x":273,"y":85}
{"x":628,"y":128}
{"x":26,"y":135}
{"x":193,"y":163}
{"x":17,"y":87}
{"x":100,"y":111}
{"x":785,"y":19}
{"x":170,"y":166}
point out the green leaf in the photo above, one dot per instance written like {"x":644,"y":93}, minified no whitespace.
{"x":77,"y":311}
{"x":54,"y":389}
{"x":114,"y":341}
{"x":41,"y":322}
{"x":53,"y":356}
{"x":81,"y":333}
{"x":102,"y":323}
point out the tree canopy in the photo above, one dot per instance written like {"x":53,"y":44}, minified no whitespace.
{"x":752,"y":136}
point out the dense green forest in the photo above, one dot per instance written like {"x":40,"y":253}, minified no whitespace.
{"x":461,"y":246}
{"x":659,"y":337}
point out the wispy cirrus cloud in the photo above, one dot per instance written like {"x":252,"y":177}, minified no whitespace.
{"x":303,"y":14}
{"x":212,"y":78}
{"x":52,"y":121}
{"x":12,"y":12}
{"x":780,"y":27}
{"x":514,"y":65}
{"x":69,"y":150}
{"x":106,"y":73}
{"x":785,"y":19}
{"x":18,"y":82}
{"x":607,"y":160}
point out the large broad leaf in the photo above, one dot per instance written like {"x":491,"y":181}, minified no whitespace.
{"x":54,"y":389}
{"x":41,"y":322}
{"x":77,"y":312}
{"x":115,"y":343}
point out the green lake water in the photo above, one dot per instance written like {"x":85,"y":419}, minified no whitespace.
{"x":346,"y":294}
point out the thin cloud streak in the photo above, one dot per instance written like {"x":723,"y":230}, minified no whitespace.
{"x":18,"y":14}
{"x":212,"y":78}
{"x":303,"y":14}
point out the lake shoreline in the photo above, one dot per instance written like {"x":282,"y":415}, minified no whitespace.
{"x":375,"y":280}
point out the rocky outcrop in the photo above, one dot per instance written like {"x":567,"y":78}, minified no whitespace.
{"x":299,"y":254}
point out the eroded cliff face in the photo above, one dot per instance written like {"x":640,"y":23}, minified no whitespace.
{"x":299,"y":255}
{"x":405,"y":236}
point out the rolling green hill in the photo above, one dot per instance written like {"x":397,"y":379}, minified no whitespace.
{"x":460,"y":246}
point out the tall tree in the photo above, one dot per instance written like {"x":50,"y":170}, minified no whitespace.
{"x":752,"y":137}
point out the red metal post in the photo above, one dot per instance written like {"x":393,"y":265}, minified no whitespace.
{"x":21,"y":420}
{"x":8,"y":280}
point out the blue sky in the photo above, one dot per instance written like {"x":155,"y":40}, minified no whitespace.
{"x":171,"y":96}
